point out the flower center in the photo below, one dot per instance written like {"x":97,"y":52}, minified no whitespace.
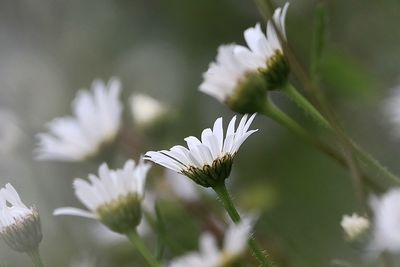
{"x":211,"y":175}
{"x":123,"y":214}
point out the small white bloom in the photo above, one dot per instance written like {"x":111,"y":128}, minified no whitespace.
{"x":234,"y":73}
{"x":208,"y":161}
{"x":386,"y":231}
{"x":96,"y":121}
{"x":145,"y":109}
{"x":113,"y":197}
{"x":354,"y":226}
{"x":263,"y":47}
{"x":19,"y":225}
{"x":234,"y":245}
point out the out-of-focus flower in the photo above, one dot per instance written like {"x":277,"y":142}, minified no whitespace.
{"x":10,"y":132}
{"x":96,"y":121}
{"x":19,"y":225}
{"x":386,"y":224}
{"x":354,"y":226}
{"x":240,"y":76}
{"x":114,"y":197}
{"x":234,"y":246}
{"x":392,"y":111}
{"x":207,"y":162}
{"x":84,"y":261}
{"x":146,"y":110}
{"x":182,"y":187}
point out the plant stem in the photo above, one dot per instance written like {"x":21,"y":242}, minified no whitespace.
{"x":226,"y":199}
{"x":279,"y":116}
{"x":141,"y":247}
{"x":303,"y":103}
{"x":36,"y":259}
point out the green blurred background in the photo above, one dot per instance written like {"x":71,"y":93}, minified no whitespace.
{"x":50,"y":49}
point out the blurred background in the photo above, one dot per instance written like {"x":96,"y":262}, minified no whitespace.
{"x":51,"y":49}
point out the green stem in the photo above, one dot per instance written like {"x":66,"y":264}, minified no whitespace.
{"x":141,"y":247}
{"x":304,"y":104}
{"x":36,"y":259}
{"x":316,"y":115}
{"x":226,"y":199}
{"x":279,"y":116}
{"x":373,"y":163}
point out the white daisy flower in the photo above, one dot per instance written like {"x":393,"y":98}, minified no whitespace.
{"x":264,"y":47}
{"x":19,"y":225}
{"x":96,"y":121}
{"x":114,"y":197}
{"x":386,"y":224}
{"x":354,"y":226}
{"x":207,"y":162}
{"x":106,"y":237}
{"x":240,"y":76}
{"x":210,"y":255}
{"x":145,"y":109}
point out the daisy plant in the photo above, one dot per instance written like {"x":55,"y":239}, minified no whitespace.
{"x":208,"y":162}
{"x":114,"y":197}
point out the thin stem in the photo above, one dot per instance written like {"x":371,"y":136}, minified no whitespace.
{"x":142,"y":248}
{"x":226,"y":199}
{"x":272,"y":111}
{"x":36,"y":259}
{"x":266,"y":8}
{"x":317,"y":116}
{"x":304,"y":104}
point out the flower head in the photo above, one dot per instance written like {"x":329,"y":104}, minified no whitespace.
{"x":386,"y":230}
{"x":354,"y":226}
{"x":210,"y":255}
{"x":209,"y":161}
{"x":241,"y":75}
{"x":19,"y":225}
{"x":266,"y":49}
{"x":96,"y":121}
{"x":145,"y":109}
{"x":114,"y":197}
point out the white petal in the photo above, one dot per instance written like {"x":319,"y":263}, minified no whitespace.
{"x":74,"y":212}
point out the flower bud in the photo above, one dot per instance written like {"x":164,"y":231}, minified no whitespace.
{"x":355,"y":227}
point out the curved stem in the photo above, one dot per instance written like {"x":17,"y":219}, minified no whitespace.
{"x":142,"y":248}
{"x":226,"y":199}
{"x":316,"y":115}
{"x":36,"y":259}
{"x":304,"y":104}
{"x":279,"y":116}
